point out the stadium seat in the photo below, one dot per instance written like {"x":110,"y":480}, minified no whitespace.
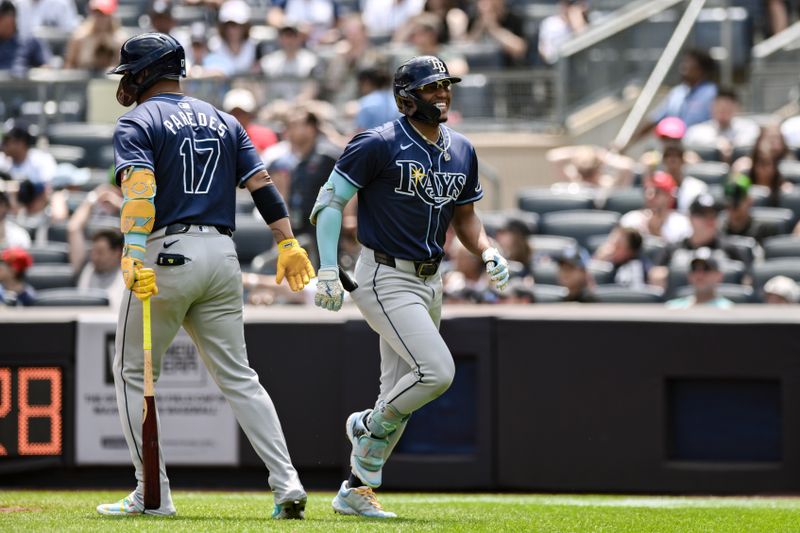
{"x":474,"y":97}
{"x":711,"y":172}
{"x":252,"y":237}
{"x":545,"y":200}
{"x":50,"y":276}
{"x":550,"y":245}
{"x":494,"y":220}
{"x":620,"y":294}
{"x":57,"y":232}
{"x":653,"y":247}
{"x":707,"y":151}
{"x":790,"y":170}
{"x":71,"y":296}
{"x":782,"y":246}
{"x":62,"y":153}
{"x":791,"y":200}
{"x":548,"y":294}
{"x":594,"y":242}
{"x":601,"y":272}
{"x":579,"y":224}
{"x":739,"y":294}
{"x":53,"y":252}
{"x":545,"y":272}
{"x":95,"y":139}
{"x":745,"y":247}
{"x":781,"y":266}
{"x":779,"y":217}
{"x":624,"y":200}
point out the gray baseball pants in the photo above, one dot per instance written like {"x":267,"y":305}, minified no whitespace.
{"x":204,"y":295}
{"x":405,"y":310}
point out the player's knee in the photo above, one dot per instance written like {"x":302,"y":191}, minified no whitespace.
{"x":442,"y":375}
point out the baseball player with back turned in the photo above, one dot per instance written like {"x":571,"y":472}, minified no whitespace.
{"x":414,"y":177}
{"x":178,"y":163}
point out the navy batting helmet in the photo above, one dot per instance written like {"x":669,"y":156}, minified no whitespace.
{"x":144,"y":60}
{"x":416,"y":73}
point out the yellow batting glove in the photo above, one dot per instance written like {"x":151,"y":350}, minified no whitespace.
{"x":293,"y":264}
{"x":140,"y":280}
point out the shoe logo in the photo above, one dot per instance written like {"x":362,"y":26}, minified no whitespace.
{"x":406,"y":146}
{"x":168,"y":244}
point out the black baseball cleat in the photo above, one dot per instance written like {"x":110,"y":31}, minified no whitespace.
{"x":291,"y":510}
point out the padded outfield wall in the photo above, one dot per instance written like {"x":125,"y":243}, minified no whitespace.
{"x":546,"y":398}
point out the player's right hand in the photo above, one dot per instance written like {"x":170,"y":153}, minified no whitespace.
{"x":141,"y":281}
{"x":293,"y":264}
{"x":330,"y":293}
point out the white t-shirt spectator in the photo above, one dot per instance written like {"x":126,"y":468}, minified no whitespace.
{"x":383,"y":17}
{"x":554,"y":31}
{"x":224,"y":60}
{"x":690,"y":189}
{"x":15,"y":235}
{"x":675,"y":228}
{"x":741,"y":132}
{"x":39,"y":167}
{"x":278,"y":65}
{"x":35,"y":15}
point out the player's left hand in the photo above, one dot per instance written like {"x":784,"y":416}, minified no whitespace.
{"x":496,"y":266}
{"x":330,"y":293}
{"x":293,"y":264}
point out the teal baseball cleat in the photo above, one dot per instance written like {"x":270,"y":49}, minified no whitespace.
{"x":367,"y":457}
{"x":360,"y":501}
{"x":133,"y":505}
{"x":290,"y":510}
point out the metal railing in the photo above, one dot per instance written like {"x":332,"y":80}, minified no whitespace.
{"x":774,"y":74}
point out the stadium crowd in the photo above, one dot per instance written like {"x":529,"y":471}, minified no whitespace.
{"x":709,"y":215}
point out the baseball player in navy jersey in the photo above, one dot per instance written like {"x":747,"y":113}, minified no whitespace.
{"x":414,"y":177}
{"x":178,"y":163}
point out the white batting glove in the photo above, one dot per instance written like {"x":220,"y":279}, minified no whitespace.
{"x":330,"y":293}
{"x":496,"y":266}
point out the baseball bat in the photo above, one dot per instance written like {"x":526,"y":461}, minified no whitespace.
{"x":152,"y":478}
{"x":347,"y":282}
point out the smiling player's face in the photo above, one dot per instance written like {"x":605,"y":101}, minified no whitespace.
{"x":438,"y":94}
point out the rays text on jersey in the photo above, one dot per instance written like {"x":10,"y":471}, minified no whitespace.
{"x":433,"y":188}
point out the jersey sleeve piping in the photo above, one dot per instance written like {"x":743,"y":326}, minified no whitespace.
{"x":250,"y":174}
{"x":348,"y":178}
{"x":470,"y":200}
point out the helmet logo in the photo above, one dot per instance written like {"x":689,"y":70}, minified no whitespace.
{"x":437,"y":64}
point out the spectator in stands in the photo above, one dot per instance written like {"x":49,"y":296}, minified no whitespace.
{"x":383,"y":18}
{"x":689,"y":187}
{"x":573,"y":273}
{"x":316,"y":19}
{"x":518,"y":291}
{"x":95,"y":44}
{"x":101,"y":269}
{"x":703,"y":215}
{"x":351,"y":54}
{"x":242,"y":105}
{"x":592,"y":166}
{"x":495,"y":23}
{"x":297,"y":65}
{"x":781,"y":290}
{"x":704,"y":275}
{"x":467,"y":282}
{"x":39,"y":208}
{"x":512,"y":238}
{"x":162,"y":20}
{"x":376,"y":105}
{"x":11,"y":234}
{"x":22,"y":160}
{"x":14,"y":262}
{"x":41,"y":15}
{"x":739,"y":220}
{"x":316,"y":156}
{"x":726,"y":129}
{"x":778,"y":14}
{"x":234,"y":52}
{"x":422,"y":32}
{"x":763,"y":165}
{"x":623,"y":249}
{"x":659,"y":218}
{"x":453,"y":20}
{"x":18,"y":52}
{"x":557,"y":29}
{"x":691,"y":101}
{"x":197,"y":51}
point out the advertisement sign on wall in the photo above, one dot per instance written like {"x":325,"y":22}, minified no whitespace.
{"x":197,"y":424}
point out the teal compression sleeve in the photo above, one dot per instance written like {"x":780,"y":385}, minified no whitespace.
{"x":329,"y":223}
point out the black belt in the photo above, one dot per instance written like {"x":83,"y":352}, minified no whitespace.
{"x":180,"y":227}
{"x":423,"y":269}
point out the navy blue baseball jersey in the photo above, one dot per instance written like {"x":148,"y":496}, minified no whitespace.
{"x":408,"y":189}
{"x":198,"y":154}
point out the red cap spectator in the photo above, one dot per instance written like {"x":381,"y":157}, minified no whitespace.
{"x":106,"y":7}
{"x":665,"y":182}
{"x":17,"y":258}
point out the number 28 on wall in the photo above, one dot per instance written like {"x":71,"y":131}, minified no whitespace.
{"x":30,"y":408}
